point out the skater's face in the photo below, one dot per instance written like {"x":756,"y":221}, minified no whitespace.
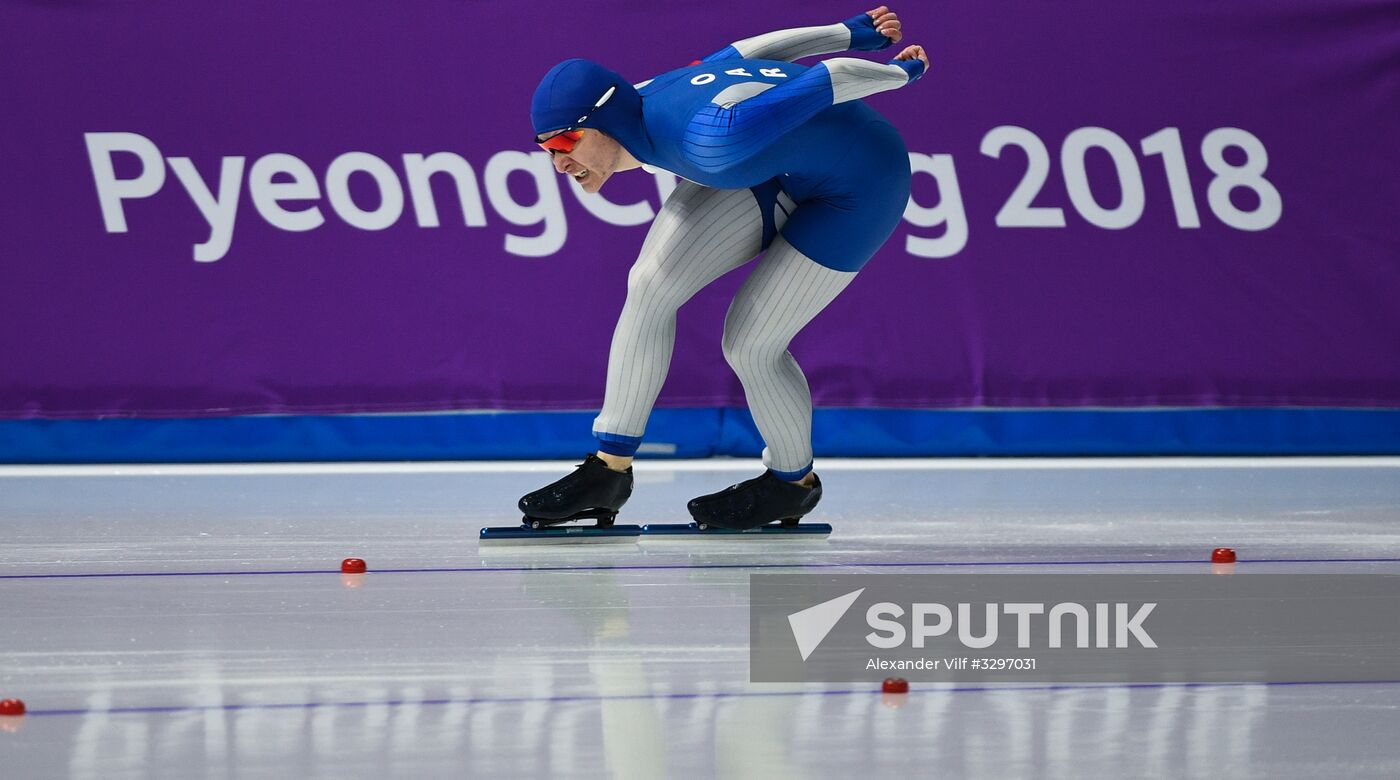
{"x":595,"y":156}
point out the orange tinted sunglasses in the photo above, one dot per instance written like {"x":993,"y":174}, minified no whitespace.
{"x":564,"y":142}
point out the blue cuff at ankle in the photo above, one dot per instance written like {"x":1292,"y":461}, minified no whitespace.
{"x":617,"y":444}
{"x":792,"y":476}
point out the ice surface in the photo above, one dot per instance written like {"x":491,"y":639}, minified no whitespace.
{"x":222,"y":641}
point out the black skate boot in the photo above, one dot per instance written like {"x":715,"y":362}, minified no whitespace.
{"x":593,"y":491}
{"x":756,"y":502}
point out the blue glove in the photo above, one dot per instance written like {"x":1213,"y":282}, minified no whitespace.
{"x":914,"y":67}
{"x":864,"y":36}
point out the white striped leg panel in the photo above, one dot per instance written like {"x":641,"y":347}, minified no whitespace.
{"x":784,"y":292}
{"x":700,"y":234}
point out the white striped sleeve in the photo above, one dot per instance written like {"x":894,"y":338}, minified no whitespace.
{"x":852,"y":79}
{"x":794,"y":44}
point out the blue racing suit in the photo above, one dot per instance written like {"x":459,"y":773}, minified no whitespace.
{"x":746,"y":117}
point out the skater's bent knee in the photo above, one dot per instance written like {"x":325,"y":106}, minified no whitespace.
{"x":653,"y":281}
{"x":643,"y":278}
{"x":748,"y":349}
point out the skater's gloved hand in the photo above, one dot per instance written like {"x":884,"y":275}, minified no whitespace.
{"x":912,"y":59}
{"x":886,"y":23}
{"x":874,"y":29}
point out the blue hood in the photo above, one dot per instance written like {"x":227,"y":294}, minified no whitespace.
{"x":569,"y":91}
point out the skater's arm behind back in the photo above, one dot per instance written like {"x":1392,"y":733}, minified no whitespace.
{"x":858,"y":33}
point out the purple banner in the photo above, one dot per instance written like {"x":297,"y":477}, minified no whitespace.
{"x":268,"y":207}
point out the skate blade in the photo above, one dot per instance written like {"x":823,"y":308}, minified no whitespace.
{"x":522,"y":535}
{"x":799,"y":532}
